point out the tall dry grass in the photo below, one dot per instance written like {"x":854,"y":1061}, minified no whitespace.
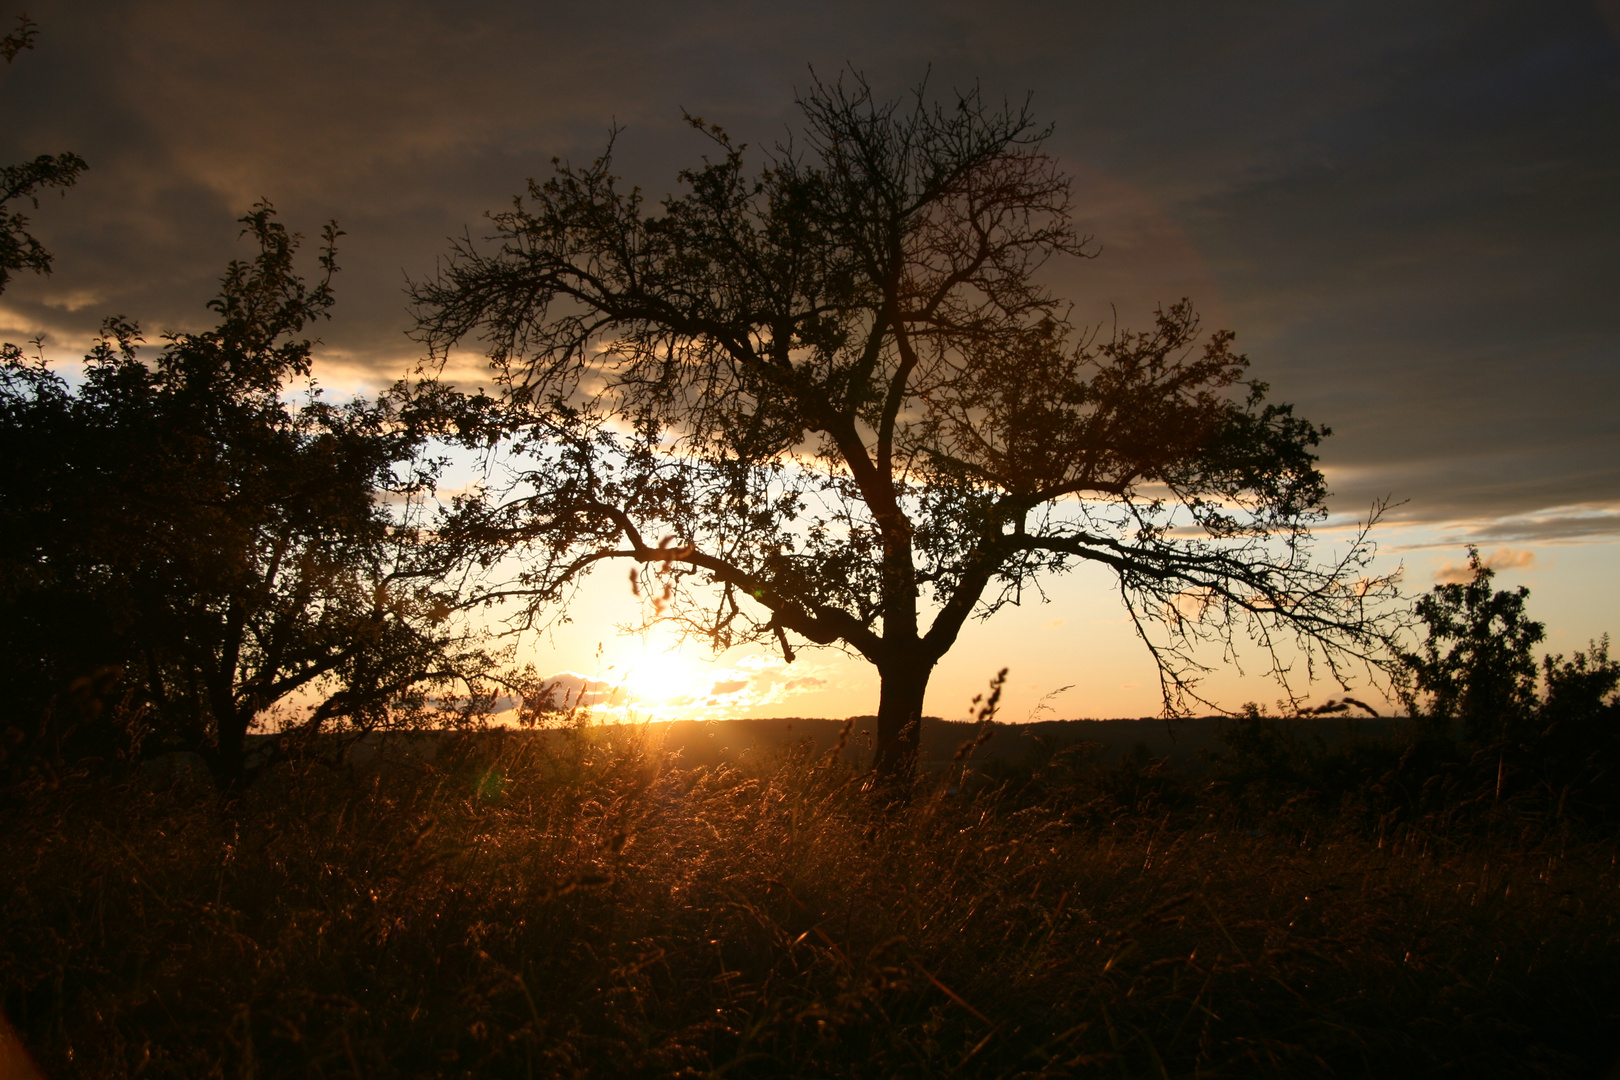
{"x":582,"y":905}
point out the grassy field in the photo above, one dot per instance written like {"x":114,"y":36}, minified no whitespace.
{"x":593,"y":904}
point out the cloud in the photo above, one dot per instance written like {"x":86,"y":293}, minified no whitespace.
{"x":1500,"y":559}
{"x":574,"y":688}
{"x":1577,"y":524}
{"x":1406,"y":212}
{"x":753,"y":681}
{"x":1569,"y":524}
{"x":764,"y":679}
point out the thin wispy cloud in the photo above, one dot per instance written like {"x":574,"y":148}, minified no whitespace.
{"x":1578,"y":524}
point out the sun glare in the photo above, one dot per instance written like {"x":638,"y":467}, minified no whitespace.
{"x":663,"y":677}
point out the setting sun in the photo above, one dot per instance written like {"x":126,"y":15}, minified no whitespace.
{"x":663,"y":677}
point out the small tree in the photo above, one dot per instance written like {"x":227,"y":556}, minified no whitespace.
{"x":1477,"y":663}
{"x":837,"y":393}
{"x":181,"y":519}
{"x":1476,"y":670}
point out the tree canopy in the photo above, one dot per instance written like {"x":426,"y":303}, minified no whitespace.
{"x":224,"y":539}
{"x":835,"y":396}
{"x":1476,"y":663}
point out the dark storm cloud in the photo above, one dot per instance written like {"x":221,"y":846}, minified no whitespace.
{"x":1406,"y":211}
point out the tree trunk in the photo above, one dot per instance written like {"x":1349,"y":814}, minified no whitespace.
{"x":899,"y":725}
{"x":230,"y":753}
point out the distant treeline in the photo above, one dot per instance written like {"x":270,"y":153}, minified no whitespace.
{"x":1006,"y":747}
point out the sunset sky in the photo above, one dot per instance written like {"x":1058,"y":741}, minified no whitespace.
{"x":1410,"y":215}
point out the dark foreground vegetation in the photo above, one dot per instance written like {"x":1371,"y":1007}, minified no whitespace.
{"x":580,"y":903}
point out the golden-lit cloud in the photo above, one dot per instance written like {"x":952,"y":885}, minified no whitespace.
{"x":662,"y":681}
{"x":1500,"y":559}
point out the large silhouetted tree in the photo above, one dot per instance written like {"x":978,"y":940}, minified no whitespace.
{"x":835,"y":393}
